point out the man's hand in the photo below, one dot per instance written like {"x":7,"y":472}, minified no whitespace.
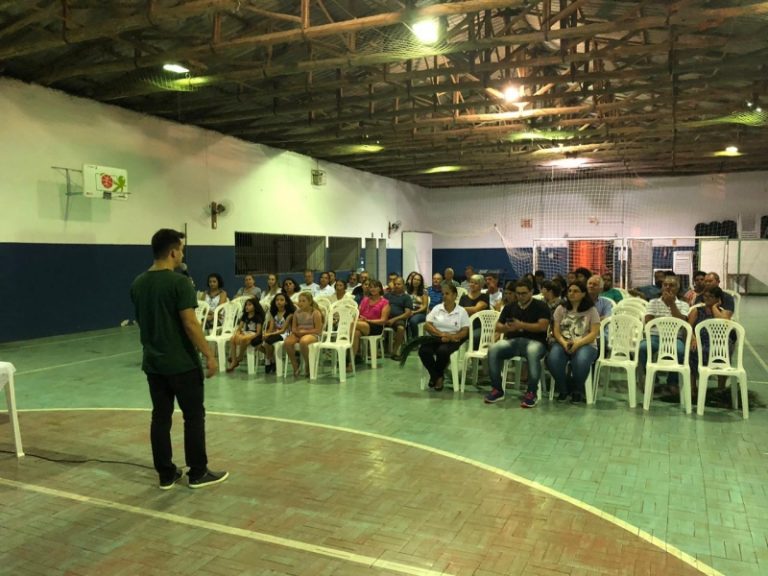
{"x":212,"y":366}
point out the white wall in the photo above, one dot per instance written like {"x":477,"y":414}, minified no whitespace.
{"x":174,"y":172}
{"x":652,"y":207}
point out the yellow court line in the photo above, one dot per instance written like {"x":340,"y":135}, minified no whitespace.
{"x":618,"y":522}
{"x":76,"y":363}
{"x":262,"y":537}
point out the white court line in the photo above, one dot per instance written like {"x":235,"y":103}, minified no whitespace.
{"x":59,"y":340}
{"x":756,"y":355}
{"x":262,"y":537}
{"x":75,"y":363}
{"x":618,"y":522}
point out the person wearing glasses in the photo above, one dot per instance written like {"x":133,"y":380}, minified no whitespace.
{"x":523,"y":325}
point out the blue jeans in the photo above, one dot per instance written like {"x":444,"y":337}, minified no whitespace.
{"x":672,"y":378}
{"x":581,"y":363}
{"x":413,"y":324}
{"x":532,"y":350}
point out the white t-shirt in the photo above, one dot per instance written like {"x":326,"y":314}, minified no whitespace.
{"x":448,"y":322}
{"x":328,"y":291}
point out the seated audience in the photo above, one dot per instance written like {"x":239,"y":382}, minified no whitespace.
{"x":552,"y":292}
{"x":278,"y":327}
{"x":696,"y":289}
{"x":576,"y":326}
{"x":352,"y":282}
{"x":449,"y":323}
{"x":390,"y":281}
{"x":362,"y":289}
{"x":214,"y":296}
{"x":448,"y":278}
{"x":248,"y":332}
{"x":400,"y":310}
{"x":249,"y":288}
{"x":608,"y":290}
{"x":475,"y":301}
{"x":524,"y":326}
{"x":273,"y":289}
{"x":289,"y":288}
{"x":652,"y":290}
{"x":712,"y":280}
{"x":532,"y":281}
{"x":340,"y":291}
{"x":582,"y":275}
{"x":594,"y":288}
{"x":325,"y":289}
{"x":435,"y":292}
{"x":419,"y":302}
{"x":495,"y":294}
{"x":374,"y":313}
{"x":540,"y":277}
{"x":306,"y":327}
{"x":712,"y":307}
{"x":309,"y":282}
{"x":668,"y":304}
{"x":469,"y":271}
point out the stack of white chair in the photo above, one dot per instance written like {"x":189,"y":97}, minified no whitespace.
{"x":621,"y":350}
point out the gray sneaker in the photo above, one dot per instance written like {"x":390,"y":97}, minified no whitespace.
{"x":169,"y":483}
{"x":208,"y":479}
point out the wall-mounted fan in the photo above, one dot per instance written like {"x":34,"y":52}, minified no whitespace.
{"x":216,"y":209}
{"x":394,"y":227}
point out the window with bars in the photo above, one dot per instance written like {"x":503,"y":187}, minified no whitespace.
{"x":257,"y":253}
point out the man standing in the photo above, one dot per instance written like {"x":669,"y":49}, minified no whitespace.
{"x":524,"y":327}
{"x":165,"y":305}
{"x":400,"y":309}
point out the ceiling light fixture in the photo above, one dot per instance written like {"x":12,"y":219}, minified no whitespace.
{"x":732,"y":149}
{"x":511,"y":93}
{"x":442,"y":169}
{"x":175,"y":68}
{"x":569,"y":162}
{"x":426,"y":31}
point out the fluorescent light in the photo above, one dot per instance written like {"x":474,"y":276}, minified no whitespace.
{"x":426,"y":31}
{"x":732,"y":149}
{"x":176,"y":68}
{"x":442,"y":169}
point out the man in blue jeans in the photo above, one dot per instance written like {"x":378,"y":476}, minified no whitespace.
{"x":668,"y":304}
{"x":523,"y":326}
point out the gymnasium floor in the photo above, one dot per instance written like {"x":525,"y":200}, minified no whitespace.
{"x":375,"y":476}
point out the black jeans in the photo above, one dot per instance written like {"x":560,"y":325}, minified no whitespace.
{"x":188,"y":389}
{"x":436,"y":356}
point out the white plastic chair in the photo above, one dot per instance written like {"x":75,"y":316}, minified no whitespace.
{"x":721,"y":362}
{"x":371,"y":347}
{"x":488,"y":319}
{"x":668,"y":328}
{"x":518,"y":365}
{"x":631,"y":311}
{"x":634,"y":302}
{"x":736,"y":304}
{"x":338,"y":339}
{"x":455,"y":366}
{"x":201,"y":312}
{"x":621,"y":351}
{"x":6,"y":381}
{"x":225,"y":320}
{"x":460,"y":292}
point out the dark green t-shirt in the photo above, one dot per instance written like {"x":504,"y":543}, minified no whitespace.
{"x":158,"y":296}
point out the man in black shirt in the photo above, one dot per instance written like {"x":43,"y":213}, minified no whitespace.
{"x":523,"y":326}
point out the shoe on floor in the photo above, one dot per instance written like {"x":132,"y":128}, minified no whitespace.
{"x":529,"y":400}
{"x":577,"y":398}
{"x":171,"y":482}
{"x":562,"y":397}
{"x":208,"y":479}
{"x":495,"y":395}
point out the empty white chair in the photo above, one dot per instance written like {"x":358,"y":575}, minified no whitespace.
{"x":620,"y":351}
{"x":338,"y":339}
{"x":720,"y":360}
{"x":6,"y":381}
{"x":668,"y":329}
{"x":487,"y":319}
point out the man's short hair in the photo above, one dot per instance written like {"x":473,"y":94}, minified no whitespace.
{"x":554,"y":286}
{"x":699,"y":273}
{"x":586,"y":272}
{"x":493,"y":275}
{"x":523,"y":283}
{"x":165,"y":240}
{"x":715,"y":275}
{"x":599,"y":278}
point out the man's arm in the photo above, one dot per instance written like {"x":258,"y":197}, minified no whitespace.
{"x":195,"y":333}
